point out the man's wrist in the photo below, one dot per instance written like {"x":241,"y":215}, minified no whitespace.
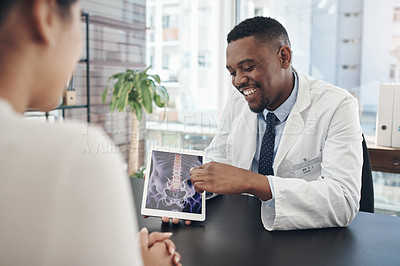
{"x":259,"y":186}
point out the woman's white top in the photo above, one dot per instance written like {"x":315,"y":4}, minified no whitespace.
{"x":65,"y":198}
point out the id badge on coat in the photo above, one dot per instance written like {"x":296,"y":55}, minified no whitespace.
{"x":310,"y":169}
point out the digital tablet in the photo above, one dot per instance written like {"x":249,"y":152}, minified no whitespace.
{"x":168,"y":190}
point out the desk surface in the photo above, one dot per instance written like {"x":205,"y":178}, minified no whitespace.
{"x":234,"y":235}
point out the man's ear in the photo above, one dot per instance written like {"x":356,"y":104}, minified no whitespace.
{"x":285,"y":54}
{"x":44,"y":21}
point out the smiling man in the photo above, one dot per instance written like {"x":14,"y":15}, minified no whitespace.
{"x":290,"y":140}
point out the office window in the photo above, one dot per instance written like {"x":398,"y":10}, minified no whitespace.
{"x":165,"y":61}
{"x":396,"y":14}
{"x":169,"y":21}
{"x":204,"y":59}
{"x":151,"y":21}
{"x":195,"y":142}
{"x":185,"y":59}
{"x":152,"y":37}
{"x":165,"y":21}
{"x":205,"y":13}
{"x":350,"y":41}
{"x":258,"y":11}
{"x":169,"y":139}
{"x":350,"y":14}
{"x":350,"y":67}
{"x":186,"y":43}
{"x":392,"y":72}
{"x":151,"y":61}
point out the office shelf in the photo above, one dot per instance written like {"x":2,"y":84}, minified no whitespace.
{"x":87,"y":62}
{"x":72,"y":106}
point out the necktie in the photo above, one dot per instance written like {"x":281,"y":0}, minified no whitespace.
{"x":267,"y":147}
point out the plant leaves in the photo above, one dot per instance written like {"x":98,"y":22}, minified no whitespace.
{"x":104,"y":95}
{"x":147,"y":68}
{"x":114,"y":76}
{"x":137,"y":80}
{"x":113,"y":103}
{"x":119,"y":84}
{"x":157,"y":100}
{"x":156,"y":78}
{"x":138,"y":90}
{"x":147,"y":99}
{"x":161,"y":97}
{"x":123,"y":98}
{"x":138,"y":110}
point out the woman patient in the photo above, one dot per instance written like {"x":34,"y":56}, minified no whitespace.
{"x":62,"y":201}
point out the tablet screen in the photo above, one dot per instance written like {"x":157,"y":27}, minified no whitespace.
{"x":168,"y":190}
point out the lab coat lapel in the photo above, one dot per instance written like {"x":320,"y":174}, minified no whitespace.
{"x":245,"y":140}
{"x":295,"y":122}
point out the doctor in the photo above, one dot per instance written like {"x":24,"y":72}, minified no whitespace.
{"x":290,"y":140}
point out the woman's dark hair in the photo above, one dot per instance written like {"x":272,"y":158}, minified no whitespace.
{"x":7,"y":5}
{"x":264,"y":29}
{"x":64,"y":5}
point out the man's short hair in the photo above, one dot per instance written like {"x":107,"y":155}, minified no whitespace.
{"x":264,"y":29}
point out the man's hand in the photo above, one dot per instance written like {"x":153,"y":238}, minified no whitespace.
{"x":227,"y":179}
{"x":158,"y":249}
{"x":166,"y":219}
{"x":219,"y":178}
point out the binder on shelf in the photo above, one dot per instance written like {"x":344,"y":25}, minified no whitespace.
{"x":385,"y":115}
{"x":396,"y":117}
{"x":70,"y":93}
{"x":70,"y":98}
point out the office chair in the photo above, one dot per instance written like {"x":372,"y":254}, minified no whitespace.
{"x":367,"y":186}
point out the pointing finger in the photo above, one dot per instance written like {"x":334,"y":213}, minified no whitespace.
{"x":197,"y":168}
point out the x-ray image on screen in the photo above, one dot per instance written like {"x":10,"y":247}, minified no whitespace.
{"x":170,"y":187}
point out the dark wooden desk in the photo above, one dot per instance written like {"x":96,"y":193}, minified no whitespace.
{"x":384,"y":159}
{"x":234,"y":235}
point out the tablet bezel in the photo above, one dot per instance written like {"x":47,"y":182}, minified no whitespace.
{"x":171,"y":214}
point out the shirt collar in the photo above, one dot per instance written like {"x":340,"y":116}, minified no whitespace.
{"x":283,"y":111}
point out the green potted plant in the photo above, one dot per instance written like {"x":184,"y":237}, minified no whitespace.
{"x":137,"y":90}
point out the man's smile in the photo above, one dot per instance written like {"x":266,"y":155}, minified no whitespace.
{"x":249,"y":93}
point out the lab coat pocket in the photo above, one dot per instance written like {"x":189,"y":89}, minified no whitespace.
{"x":309,"y":170}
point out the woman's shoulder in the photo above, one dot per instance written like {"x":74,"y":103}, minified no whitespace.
{"x":55,"y":139}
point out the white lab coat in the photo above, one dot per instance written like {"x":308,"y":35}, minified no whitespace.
{"x":318,"y":164}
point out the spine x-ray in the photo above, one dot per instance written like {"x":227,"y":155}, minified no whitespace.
{"x":170,"y":187}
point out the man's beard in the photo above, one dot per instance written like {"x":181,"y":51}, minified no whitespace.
{"x":263,"y":104}
{"x":260,"y":108}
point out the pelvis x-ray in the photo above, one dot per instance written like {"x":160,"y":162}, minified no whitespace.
{"x":170,"y":187}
